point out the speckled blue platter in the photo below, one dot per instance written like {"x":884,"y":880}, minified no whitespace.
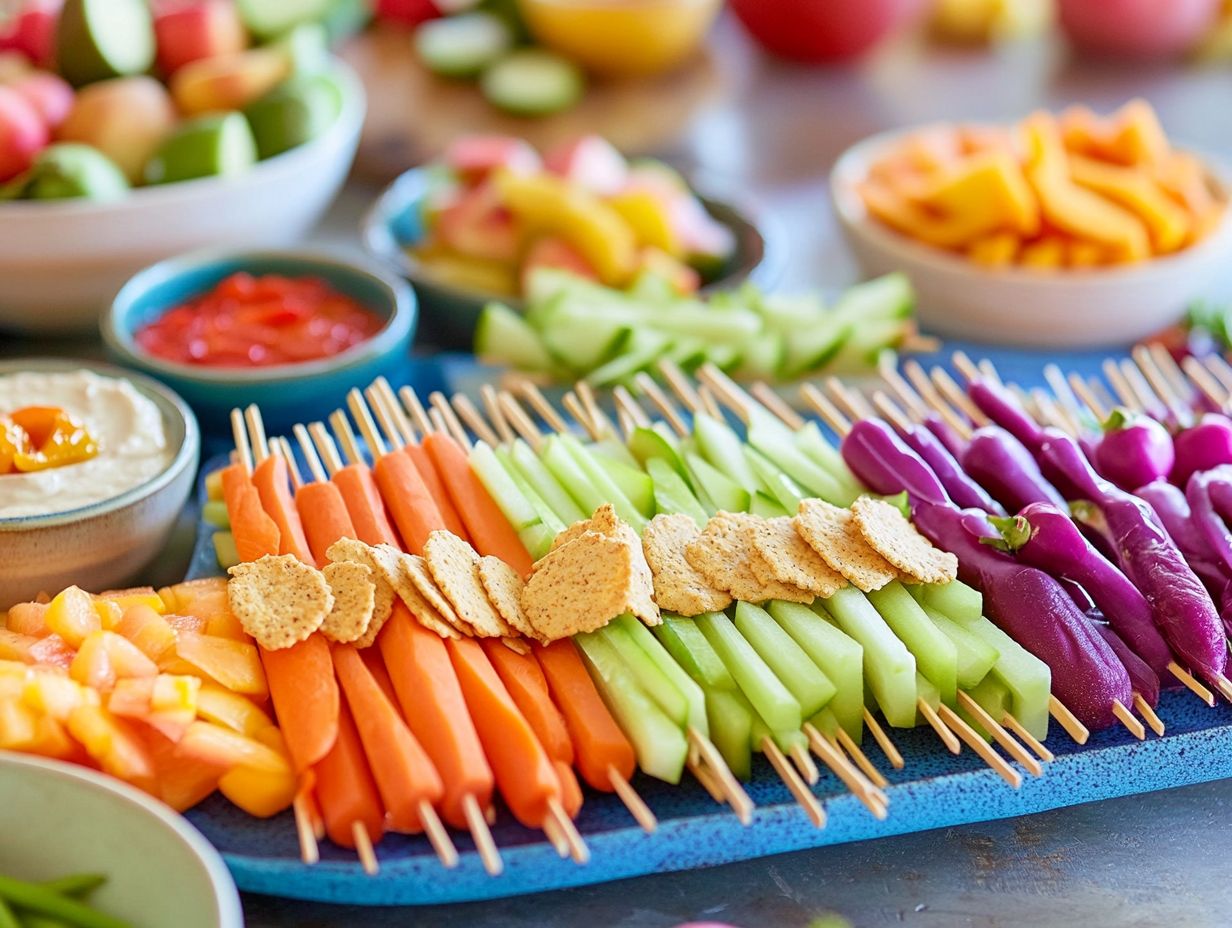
{"x":935,"y":789}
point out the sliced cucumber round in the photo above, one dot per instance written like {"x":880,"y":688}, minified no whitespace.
{"x":533,"y":83}
{"x":98,"y":39}
{"x":462,"y":46}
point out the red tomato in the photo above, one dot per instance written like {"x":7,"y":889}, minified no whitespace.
{"x":1137,"y":28}
{"x":822,"y":30}
{"x":248,"y":321}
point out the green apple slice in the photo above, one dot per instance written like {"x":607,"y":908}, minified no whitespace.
{"x":98,"y":39}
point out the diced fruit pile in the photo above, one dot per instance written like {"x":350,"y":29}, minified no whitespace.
{"x":1070,"y":192}
{"x":497,"y":211}
{"x":80,"y":115}
{"x":576,"y":328}
{"x":161,"y":689}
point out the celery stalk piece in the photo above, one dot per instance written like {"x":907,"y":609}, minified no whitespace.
{"x":660,"y":744}
{"x":570,"y":475}
{"x":954,"y":600}
{"x":778,"y":445}
{"x":787,"y":740}
{"x":598,"y":480}
{"x":547,"y":514}
{"x":813,"y":444}
{"x":889,"y":668}
{"x":512,"y":502}
{"x":634,"y":483}
{"x":686,"y":643}
{"x":1027,"y":677}
{"x":723,"y":492}
{"x":764,"y":505}
{"x":214,"y":512}
{"x":672,"y":493}
{"x":723,"y":448}
{"x":731,"y":728}
{"x":650,"y":678}
{"x":827,"y":722}
{"x":925,"y":690}
{"x":694,"y":698}
{"x":840,"y":657}
{"x":614,"y":450}
{"x":549,"y":488}
{"x":780,"y":486}
{"x":651,"y":444}
{"x":993,"y":697}
{"x":975,"y":656}
{"x":802,"y":677}
{"x":935,"y":654}
{"x":772,"y":700}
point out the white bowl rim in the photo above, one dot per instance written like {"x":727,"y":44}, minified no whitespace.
{"x":853,"y":162}
{"x":185,"y":456}
{"x":230,"y":912}
{"x":354,"y":107}
{"x":405,"y":309}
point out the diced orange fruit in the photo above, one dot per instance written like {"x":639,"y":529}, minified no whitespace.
{"x":18,"y":724}
{"x":109,"y":613}
{"x":15,"y":646}
{"x":218,"y":704}
{"x":51,"y":651}
{"x":112,"y":744}
{"x":650,"y":219}
{"x":54,"y":695}
{"x":181,"y":782}
{"x":225,"y":748}
{"x":28,"y":619}
{"x":72,"y":616}
{"x":148,"y":630}
{"x":185,"y":623}
{"x":234,"y":664}
{"x":226,"y":625}
{"x":1169,"y":225}
{"x":260,"y":792}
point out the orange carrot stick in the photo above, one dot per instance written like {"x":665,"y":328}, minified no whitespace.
{"x":324,"y":516}
{"x":432,"y":479}
{"x":305,"y":695}
{"x":524,"y":772}
{"x":523,"y":678}
{"x":376,"y":666}
{"x":597,"y":739}
{"x":234,"y":479}
{"x":408,"y":499}
{"x":436,"y":711}
{"x":345,"y":787}
{"x":256,"y":534}
{"x":404,"y":775}
{"x":272,"y":481}
{"x":570,"y":791}
{"x":363,"y":502}
{"x":490,"y":531}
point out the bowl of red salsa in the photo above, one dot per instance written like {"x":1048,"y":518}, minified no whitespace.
{"x":289,"y":331}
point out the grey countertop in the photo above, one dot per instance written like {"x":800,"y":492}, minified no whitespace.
{"x":1142,"y":861}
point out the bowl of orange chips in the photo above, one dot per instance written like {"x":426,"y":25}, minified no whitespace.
{"x":1070,"y":230}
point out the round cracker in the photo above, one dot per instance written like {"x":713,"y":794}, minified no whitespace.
{"x":354,"y":594}
{"x":678,"y":586}
{"x":579,"y":587}
{"x":278,"y":599}
{"x":831,"y":532}
{"x":452,"y":563}
{"x":890,"y":534}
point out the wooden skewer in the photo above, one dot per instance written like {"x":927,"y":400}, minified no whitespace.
{"x":883,"y":741}
{"x":364,"y":849}
{"x":1171,"y":371}
{"x":1124,"y":392}
{"x":1211,"y":388}
{"x":928,"y":394}
{"x":966,"y":367}
{"x":709,"y":403}
{"x":1027,"y":738}
{"x":256,"y":431}
{"x":516,"y":416}
{"x":539,"y":403}
{"x":733,"y":793}
{"x":1067,"y":720}
{"x":1164,"y":388}
{"x":1088,"y":397}
{"x":1049,"y":412}
{"x":593,"y":411}
{"x":243,"y":451}
{"x":651,"y":389}
{"x":861,"y":787}
{"x":367,"y":428}
{"x":990,"y":372}
{"x":849,"y":400}
{"x":1220,"y":368}
{"x":891,"y":411}
{"x":1152,"y":719}
{"x":894,"y":380}
{"x":282,"y":448}
{"x":823,"y":407}
{"x":556,"y":838}
{"x":624,"y":401}
{"x":787,"y":773}
{"x":452,"y":425}
{"x":315,"y":464}
{"x":1065,"y":397}
{"x":994,"y":760}
{"x":844,"y":741}
{"x":625,"y":423}
{"x":495,"y":414}
{"x":419,"y":415}
{"x":577,"y":847}
{"x":384,"y":418}
{"x":1000,"y":735}
{"x":1128,"y":719}
{"x":708,"y":780}
{"x":680,"y":385}
{"x":342,"y":430}
{"x":1191,"y":683}
{"x":1100,"y":389}
{"x":728,"y":392}
{"x":953,"y":745}
{"x":578,"y":410}
{"x":1142,"y":389}
{"x":1224,"y":685}
{"x":326,"y":447}
{"x":803,"y":760}
{"x":474,"y":420}
{"x":770,"y":398}
{"x":633,"y":801}
{"x":482,"y":835}
{"x":950,"y":389}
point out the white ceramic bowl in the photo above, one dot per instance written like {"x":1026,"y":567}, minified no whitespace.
{"x":62,"y":262}
{"x":1014,"y":306}
{"x":104,"y":545}
{"x":60,"y":819}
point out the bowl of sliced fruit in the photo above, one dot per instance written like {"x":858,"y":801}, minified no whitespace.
{"x":155,"y":133}
{"x":476,"y":226}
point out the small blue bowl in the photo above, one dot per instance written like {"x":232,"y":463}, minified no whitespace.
{"x":287,"y":393}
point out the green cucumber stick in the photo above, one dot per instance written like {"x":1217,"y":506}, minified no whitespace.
{"x":660,"y":744}
{"x":839,"y":657}
{"x":598,"y":480}
{"x":614,"y":450}
{"x":688,"y":646}
{"x":772,"y":700}
{"x":814,"y":445}
{"x":954,"y":600}
{"x":545,"y":484}
{"x":802,"y":677}
{"x":731,"y":728}
{"x":975,"y":656}
{"x":513,"y":504}
{"x":547,"y":513}
{"x":716,"y":490}
{"x":935,"y":654}
{"x":649,"y":677}
{"x":771,"y":438}
{"x":1027,"y":677}
{"x":672,"y":493}
{"x":724,"y":449}
{"x":632,"y":481}
{"x":787,"y":741}
{"x":575,"y":481}
{"x":778,"y":484}
{"x":991,"y":695}
{"x":657,"y":443}
{"x":889,"y":668}
{"x":695,"y":699}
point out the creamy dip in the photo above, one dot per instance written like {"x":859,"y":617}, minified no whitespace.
{"x":128,"y":427}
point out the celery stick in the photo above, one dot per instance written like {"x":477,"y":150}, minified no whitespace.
{"x":975,"y":657}
{"x":827,"y":722}
{"x":764,"y":690}
{"x":659,"y":656}
{"x":955,"y":600}
{"x":731,"y":728}
{"x":658,"y":741}
{"x":785,"y":490}
{"x":723,"y":448}
{"x":614,"y":450}
{"x":686,"y":643}
{"x":515,"y":506}
{"x":650,"y":444}
{"x":889,"y":668}
{"x":545,"y":484}
{"x":598,"y":479}
{"x":635,"y":484}
{"x":538,"y":539}
{"x":214,"y":512}
{"x":547,"y":514}
{"x":802,"y":677}
{"x":572,"y":477}
{"x":787,"y":740}
{"x":840,"y":658}
{"x":777,"y":445}
{"x":993,"y":697}
{"x":715,"y":487}
{"x":814,"y":445}
{"x":672,"y":493}
{"x":648,"y":675}
{"x":766,"y":506}
{"x":925,"y":690}
{"x":1027,"y":677}
{"x":935,"y":654}
{"x":225,"y":551}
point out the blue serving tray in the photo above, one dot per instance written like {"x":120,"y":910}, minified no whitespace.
{"x":934,"y":790}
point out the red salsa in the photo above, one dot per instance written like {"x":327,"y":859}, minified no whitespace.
{"x":248,"y":321}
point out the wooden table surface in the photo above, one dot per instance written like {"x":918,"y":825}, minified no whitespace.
{"x":1143,"y":861}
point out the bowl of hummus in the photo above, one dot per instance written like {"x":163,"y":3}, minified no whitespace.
{"x":95,"y":467}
